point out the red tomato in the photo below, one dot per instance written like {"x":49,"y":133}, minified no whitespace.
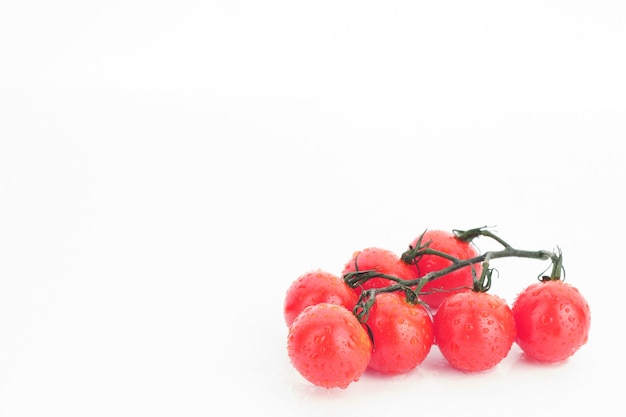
{"x":460,"y":280}
{"x":474,"y":330}
{"x":381,"y":260}
{"x":402,"y":333}
{"x":552,"y":320}
{"x":316,"y":287}
{"x":328,"y":346}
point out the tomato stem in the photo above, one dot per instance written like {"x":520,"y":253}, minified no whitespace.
{"x":471,"y":234}
{"x":557,"y":268}
{"x":412,"y":288}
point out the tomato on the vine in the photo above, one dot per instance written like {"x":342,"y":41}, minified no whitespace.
{"x":328,"y":346}
{"x":474,"y":330}
{"x":457,"y":281}
{"x":402,"y":333}
{"x":381,"y":260}
{"x":315,"y":287}
{"x":386,"y":311}
{"x":552,"y":319}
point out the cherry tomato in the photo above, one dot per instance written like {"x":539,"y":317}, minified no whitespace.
{"x":381,"y":260}
{"x":460,"y":280}
{"x":552,"y":319}
{"x":316,"y":287}
{"x":474,"y":330}
{"x":402,"y":334}
{"x":328,"y":346}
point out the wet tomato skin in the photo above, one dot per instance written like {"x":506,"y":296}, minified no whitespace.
{"x":381,"y":260}
{"x":328,"y":346}
{"x":474,"y":330}
{"x":315,"y":287}
{"x":402,"y":334}
{"x":552,"y":320}
{"x":458,"y":281}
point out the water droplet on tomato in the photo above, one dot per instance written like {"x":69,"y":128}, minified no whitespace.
{"x":353,"y":341}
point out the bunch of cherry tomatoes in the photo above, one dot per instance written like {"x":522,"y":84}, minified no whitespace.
{"x":386,"y":311}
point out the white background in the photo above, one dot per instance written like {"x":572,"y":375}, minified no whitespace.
{"x":167,"y":169}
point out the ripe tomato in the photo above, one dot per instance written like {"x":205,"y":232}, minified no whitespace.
{"x":552,"y":319}
{"x":402,"y":333}
{"x":316,"y":287}
{"x":381,"y":260}
{"x":460,"y":280}
{"x":328,"y":346}
{"x":474,"y":330}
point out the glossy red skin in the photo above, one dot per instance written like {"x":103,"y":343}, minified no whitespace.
{"x":315,"y":287}
{"x":402,"y":334}
{"x":552,"y":319}
{"x":328,"y":346}
{"x":474,"y":331}
{"x":460,"y":280}
{"x":381,"y":260}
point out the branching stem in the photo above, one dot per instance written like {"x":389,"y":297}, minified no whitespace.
{"x":413,"y":287}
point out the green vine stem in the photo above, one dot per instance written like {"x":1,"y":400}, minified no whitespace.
{"x":412,"y":288}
